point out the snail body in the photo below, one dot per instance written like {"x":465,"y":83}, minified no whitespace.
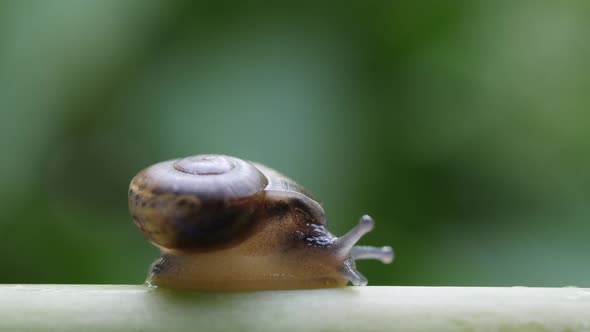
{"x":222,"y":223}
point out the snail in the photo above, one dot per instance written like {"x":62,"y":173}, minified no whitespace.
{"x":223,"y":223}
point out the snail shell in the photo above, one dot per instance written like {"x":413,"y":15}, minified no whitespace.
{"x":223,"y":223}
{"x":199,"y":202}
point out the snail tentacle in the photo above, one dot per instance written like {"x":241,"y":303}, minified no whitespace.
{"x":353,"y":275}
{"x":384,"y":254}
{"x":347,"y":241}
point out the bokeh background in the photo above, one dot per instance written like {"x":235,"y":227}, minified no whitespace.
{"x":462,"y":127}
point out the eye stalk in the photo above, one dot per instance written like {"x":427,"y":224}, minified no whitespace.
{"x":345,"y":247}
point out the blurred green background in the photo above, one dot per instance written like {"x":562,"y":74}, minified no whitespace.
{"x":462,"y":127}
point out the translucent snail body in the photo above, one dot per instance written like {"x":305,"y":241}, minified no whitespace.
{"x":223,"y":223}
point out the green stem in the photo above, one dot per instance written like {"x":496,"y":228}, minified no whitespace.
{"x":137,"y":308}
